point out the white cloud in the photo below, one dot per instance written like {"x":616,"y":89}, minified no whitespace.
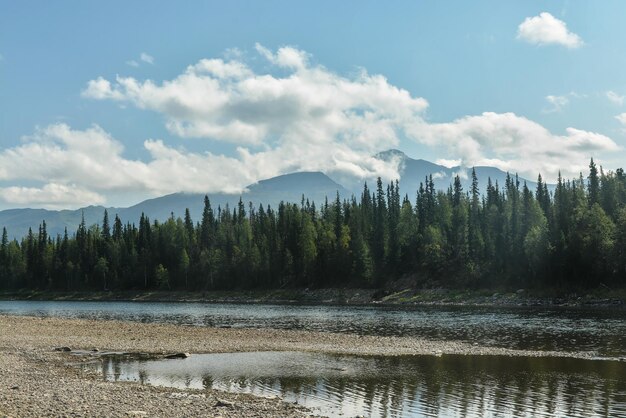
{"x":51,"y":196}
{"x":621,"y":118}
{"x":514,"y":143}
{"x":310,"y":118}
{"x":615,"y":98}
{"x":307,"y":119}
{"x":100,"y":89}
{"x":449,"y":163}
{"x":132,"y":63}
{"x":286,"y":57}
{"x":146,"y":58}
{"x":227,"y":101}
{"x":79,"y":167}
{"x":462,"y":174}
{"x":545,"y":29}
{"x":557,"y":103}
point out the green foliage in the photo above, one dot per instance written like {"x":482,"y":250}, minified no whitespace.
{"x":162,"y":277}
{"x":505,"y":236}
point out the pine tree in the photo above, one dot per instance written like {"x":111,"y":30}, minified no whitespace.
{"x":106,"y":229}
{"x":475,"y":236}
{"x":207,"y":225}
{"x":379,"y":231}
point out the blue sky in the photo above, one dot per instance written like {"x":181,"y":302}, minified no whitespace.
{"x":486,"y":84}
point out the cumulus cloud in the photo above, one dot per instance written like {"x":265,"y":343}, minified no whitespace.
{"x":132,"y":63}
{"x":448,"y":163}
{"x":514,"y":143}
{"x":306,"y":119}
{"x":615,"y":98}
{"x":228,"y":101}
{"x":146,"y":58}
{"x":545,"y":29}
{"x":79,"y":167}
{"x":286,"y":57}
{"x":310,"y":118}
{"x":51,"y":196}
{"x":92,"y":159}
{"x":100,"y":89}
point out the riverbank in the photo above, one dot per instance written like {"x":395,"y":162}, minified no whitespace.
{"x":38,"y":381}
{"x":609,"y":298}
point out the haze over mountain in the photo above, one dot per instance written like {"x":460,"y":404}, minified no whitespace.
{"x":289,"y":188}
{"x":315,"y":186}
{"x":413,"y":172}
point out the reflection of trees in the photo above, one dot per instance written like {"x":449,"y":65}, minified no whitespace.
{"x":428,"y":385}
{"x":207,"y":381}
{"x":142,"y":376}
{"x":117,"y":370}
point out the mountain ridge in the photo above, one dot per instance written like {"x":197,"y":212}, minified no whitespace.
{"x":313,"y":185}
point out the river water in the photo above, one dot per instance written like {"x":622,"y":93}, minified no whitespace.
{"x":600,"y":332}
{"x":403,"y":386}
{"x":421,"y":386}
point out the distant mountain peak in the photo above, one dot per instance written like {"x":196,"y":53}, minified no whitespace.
{"x":298,"y":174}
{"x":390,"y":154}
{"x":301,"y":180}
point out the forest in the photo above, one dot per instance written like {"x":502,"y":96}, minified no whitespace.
{"x":507,"y":237}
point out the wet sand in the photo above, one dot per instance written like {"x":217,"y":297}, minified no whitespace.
{"x":36,"y":380}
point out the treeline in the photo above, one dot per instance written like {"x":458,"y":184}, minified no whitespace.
{"x":507,"y":236}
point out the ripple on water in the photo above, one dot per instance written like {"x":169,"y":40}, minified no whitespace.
{"x":450,"y":385}
{"x":591,"y":330}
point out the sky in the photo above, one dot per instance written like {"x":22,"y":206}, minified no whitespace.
{"x":111,"y":103}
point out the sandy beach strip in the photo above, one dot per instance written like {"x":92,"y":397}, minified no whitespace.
{"x":37,"y":381}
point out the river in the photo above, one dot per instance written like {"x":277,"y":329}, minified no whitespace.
{"x":599,"y":332}
{"x":421,"y":386}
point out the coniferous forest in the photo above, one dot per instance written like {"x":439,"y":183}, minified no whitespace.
{"x":508,"y":236}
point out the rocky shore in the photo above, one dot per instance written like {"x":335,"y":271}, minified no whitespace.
{"x":394,"y":296}
{"x":36,"y":380}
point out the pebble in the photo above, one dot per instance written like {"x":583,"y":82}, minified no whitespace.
{"x":223,"y":403}
{"x":27,"y":361}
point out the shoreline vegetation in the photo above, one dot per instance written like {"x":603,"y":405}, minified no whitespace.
{"x":511,"y":247}
{"x":508,"y":237}
{"x":604,"y":298}
{"x":40,"y":379}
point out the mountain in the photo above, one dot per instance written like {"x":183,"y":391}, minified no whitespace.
{"x":315,"y":186}
{"x":413,"y":172}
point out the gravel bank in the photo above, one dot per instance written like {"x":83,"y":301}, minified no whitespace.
{"x":37,"y":381}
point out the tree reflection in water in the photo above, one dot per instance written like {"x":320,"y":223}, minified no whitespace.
{"x":450,"y":385}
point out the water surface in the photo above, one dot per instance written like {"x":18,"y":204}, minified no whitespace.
{"x":420,"y":386}
{"x":601,"y":332}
